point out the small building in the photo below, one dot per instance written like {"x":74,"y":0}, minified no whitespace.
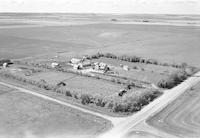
{"x":2,"y":61}
{"x":126,"y":68}
{"x":77,"y":66}
{"x":54,"y":64}
{"x":101,"y":66}
{"x":76,"y":60}
{"x":5,"y":65}
{"x":86,"y":63}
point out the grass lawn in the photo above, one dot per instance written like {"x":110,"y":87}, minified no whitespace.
{"x":24,"y":115}
{"x":52,"y":77}
{"x":146,"y":67}
{"x":92,"y":86}
{"x":140,"y":71}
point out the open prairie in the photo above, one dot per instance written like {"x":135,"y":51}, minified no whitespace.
{"x":162,"y":42}
{"x":182,"y":117}
{"x":24,"y":115}
{"x":54,"y":54}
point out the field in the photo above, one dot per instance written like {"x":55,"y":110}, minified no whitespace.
{"x":161,"y":42}
{"x":182,"y":117}
{"x":34,"y":41}
{"x":74,"y":83}
{"x":140,"y":71}
{"x":24,"y":115}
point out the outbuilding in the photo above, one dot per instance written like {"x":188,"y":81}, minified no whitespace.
{"x":76,"y":60}
{"x":54,"y":64}
{"x":126,"y":68}
{"x":5,"y":65}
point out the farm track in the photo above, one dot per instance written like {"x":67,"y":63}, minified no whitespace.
{"x":152,"y":109}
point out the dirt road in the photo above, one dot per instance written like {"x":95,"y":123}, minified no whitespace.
{"x":124,"y":127}
{"x":114,"y":120}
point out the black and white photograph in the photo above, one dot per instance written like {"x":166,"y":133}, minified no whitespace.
{"x":99,"y":68}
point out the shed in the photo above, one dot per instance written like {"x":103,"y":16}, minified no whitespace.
{"x":75,"y":60}
{"x":54,"y":64}
{"x":5,"y":65}
{"x":125,"y":67}
{"x":86,"y":63}
{"x":77,"y":66}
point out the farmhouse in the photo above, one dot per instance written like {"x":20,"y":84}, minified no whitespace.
{"x":101,"y":66}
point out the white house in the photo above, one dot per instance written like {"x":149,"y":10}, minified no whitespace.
{"x":5,"y":65}
{"x":54,"y":64}
{"x":75,"y":60}
{"x":125,"y":67}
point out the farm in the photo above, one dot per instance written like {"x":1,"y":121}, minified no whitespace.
{"x":118,"y":84}
{"x":88,"y":86}
{"x":118,"y":67}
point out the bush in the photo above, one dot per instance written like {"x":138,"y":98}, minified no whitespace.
{"x":68,"y":93}
{"x":173,"y":80}
{"x":99,"y":101}
{"x":86,"y":99}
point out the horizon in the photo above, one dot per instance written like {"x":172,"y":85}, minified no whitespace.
{"x":96,"y":13}
{"x":102,"y":6}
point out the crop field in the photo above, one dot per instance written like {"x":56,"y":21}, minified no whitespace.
{"x":161,"y":42}
{"x":24,"y":115}
{"x":182,"y":117}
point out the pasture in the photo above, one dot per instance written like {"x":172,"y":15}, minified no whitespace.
{"x":165,"y":43}
{"x":182,"y":117}
{"x":24,"y":115}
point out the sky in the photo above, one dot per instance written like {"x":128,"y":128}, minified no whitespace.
{"x":103,"y":6}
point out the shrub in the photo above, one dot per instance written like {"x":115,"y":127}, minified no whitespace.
{"x":99,"y":101}
{"x":68,"y":93}
{"x":173,"y":80}
{"x":86,"y":99}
